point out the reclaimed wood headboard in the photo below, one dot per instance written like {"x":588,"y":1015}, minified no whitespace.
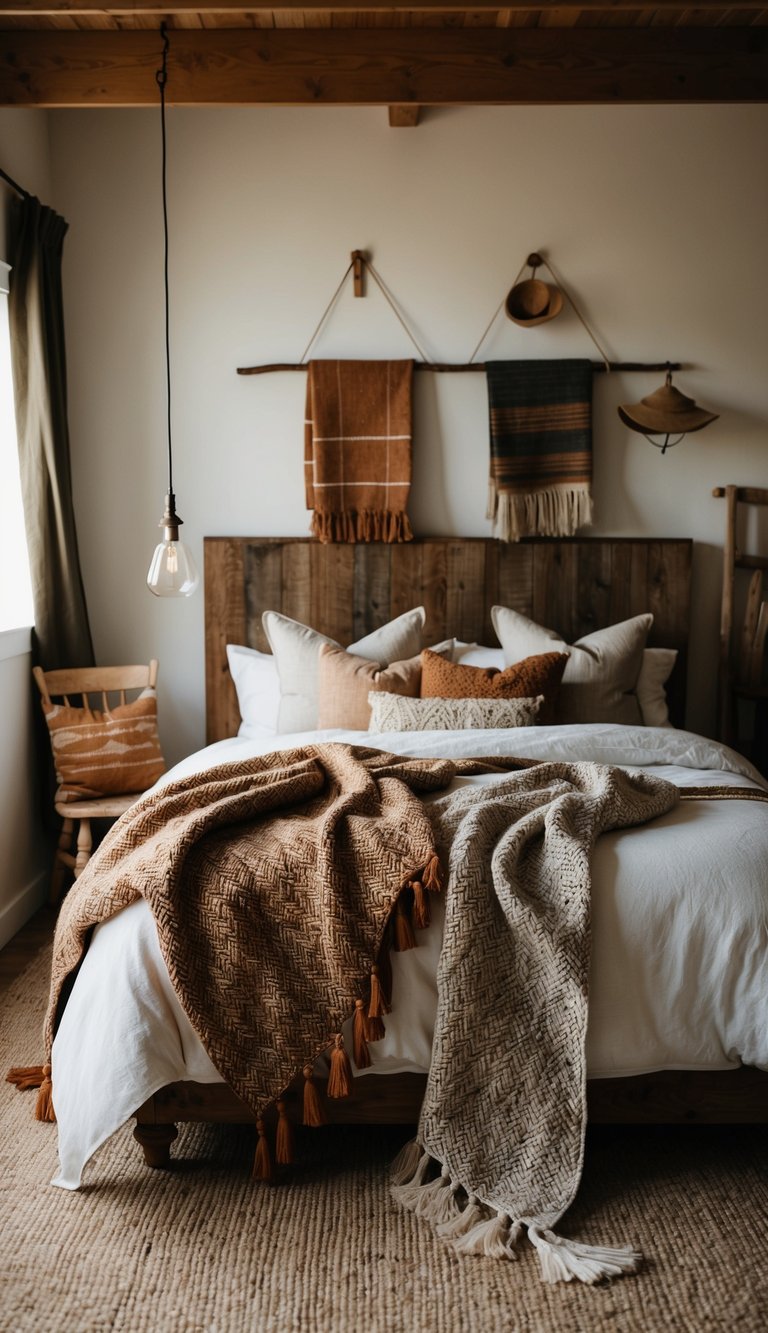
{"x":573,"y":586}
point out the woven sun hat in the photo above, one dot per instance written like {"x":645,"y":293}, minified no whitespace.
{"x":533,"y":302}
{"x":667,"y":411}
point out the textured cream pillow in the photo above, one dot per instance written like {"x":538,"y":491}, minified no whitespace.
{"x":296,"y":649}
{"x":391,"y":712}
{"x":113,"y":753}
{"x":344,"y":682}
{"x":651,"y":695}
{"x":601,"y":674}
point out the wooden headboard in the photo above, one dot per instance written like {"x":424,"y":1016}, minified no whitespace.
{"x":570,"y":585}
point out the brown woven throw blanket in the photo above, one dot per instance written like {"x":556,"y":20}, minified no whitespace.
{"x":357,"y":450}
{"x":541,"y":447}
{"x":254,"y":872}
{"x":501,"y":1134}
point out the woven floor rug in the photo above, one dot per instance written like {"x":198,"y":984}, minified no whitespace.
{"x":203,"y":1249}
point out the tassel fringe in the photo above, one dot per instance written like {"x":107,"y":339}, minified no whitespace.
{"x":432,"y":875}
{"x":462,"y":1222}
{"x":556,"y":512}
{"x":405,"y":1163}
{"x":25,"y":1077}
{"x":421,"y":912}
{"x":363,"y":525}
{"x":360,"y":1037}
{"x":284,"y":1147}
{"x":340,"y":1077}
{"x":262,"y":1162}
{"x":492,"y":1238}
{"x":563,"y":1260}
{"x":404,"y":936}
{"x":44,"y":1105}
{"x":314,"y":1115}
{"x":408,"y":1194}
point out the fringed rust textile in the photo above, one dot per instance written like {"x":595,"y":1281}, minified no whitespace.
{"x":357,"y":450}
{"x":541,"y":447}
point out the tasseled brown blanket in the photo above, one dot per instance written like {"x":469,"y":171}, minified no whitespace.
{"x":271,"y":882}
{"x":357,"y":450}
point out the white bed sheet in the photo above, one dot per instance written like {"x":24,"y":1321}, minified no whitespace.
{"x":679,"y":976}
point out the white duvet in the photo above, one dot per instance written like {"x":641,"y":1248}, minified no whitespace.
{"x":679,"y":976}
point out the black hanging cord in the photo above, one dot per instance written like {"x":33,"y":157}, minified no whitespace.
{"x":162,"y":78}
{"x":10,"y":181}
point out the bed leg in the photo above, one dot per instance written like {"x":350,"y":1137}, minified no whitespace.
{"x":156,"y":1143}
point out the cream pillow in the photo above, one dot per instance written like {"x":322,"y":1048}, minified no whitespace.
{"x":296,"y":649}
{"x":391,"y":712}
{"x":651,"y":695}
{"x":602,"y":671}
{"x":345,"y":681}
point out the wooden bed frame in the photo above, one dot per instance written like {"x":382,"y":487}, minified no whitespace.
{"x":573,"y":586}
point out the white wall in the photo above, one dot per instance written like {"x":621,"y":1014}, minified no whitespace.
{"x":655,"y":217}
{"x":25,"y":155}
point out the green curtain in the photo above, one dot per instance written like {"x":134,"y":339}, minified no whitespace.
{"x":62,"y":632}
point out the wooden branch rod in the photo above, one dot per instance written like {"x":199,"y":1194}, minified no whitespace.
{"x":447,"y":367}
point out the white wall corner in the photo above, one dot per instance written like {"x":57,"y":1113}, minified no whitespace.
{"x":15,"y":914}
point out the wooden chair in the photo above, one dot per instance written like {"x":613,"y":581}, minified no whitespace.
{"x":67,"y":685}
{"x":741,"y":675}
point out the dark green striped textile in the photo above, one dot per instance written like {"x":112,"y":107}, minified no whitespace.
{"x":541,"y":446}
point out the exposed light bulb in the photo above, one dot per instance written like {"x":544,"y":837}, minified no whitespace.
{"x":172,"y":571}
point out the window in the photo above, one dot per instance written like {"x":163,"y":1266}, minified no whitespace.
{"x":15,"y":586}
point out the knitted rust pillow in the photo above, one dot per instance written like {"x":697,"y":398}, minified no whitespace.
{"x":114,"y":753}
{"x":527,"y":679}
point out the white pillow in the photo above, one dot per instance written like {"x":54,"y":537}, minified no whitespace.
{"x":258,"y":690}
{"x":394,"y":712}
{"x":296,"y":649}
{"x":475,"y":654}
{"x":601,"y":674}
{"x":651,"y":695}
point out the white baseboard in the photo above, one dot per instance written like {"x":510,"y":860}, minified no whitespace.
{"x":16,"y":913}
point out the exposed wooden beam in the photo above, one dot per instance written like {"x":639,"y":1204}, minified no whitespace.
{"x":404,"y":117}
{"x":38,"y":8}
{"x":426,"y":66}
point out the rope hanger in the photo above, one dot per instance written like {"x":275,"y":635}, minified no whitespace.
{"x":359,"y":263}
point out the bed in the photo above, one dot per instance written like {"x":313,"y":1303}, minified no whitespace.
{"x":691,"y":1060}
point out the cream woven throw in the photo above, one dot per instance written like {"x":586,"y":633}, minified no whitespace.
{"x":501,"y":1136}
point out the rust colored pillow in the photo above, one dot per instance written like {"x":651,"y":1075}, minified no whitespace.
{"x":114,"y":753}
{"x":527,"y":679}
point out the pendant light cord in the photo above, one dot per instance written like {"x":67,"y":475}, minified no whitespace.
{"x":162,"y":78}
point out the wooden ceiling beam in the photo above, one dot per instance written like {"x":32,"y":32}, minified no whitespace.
{"x":404,"y":117}
{"x":383,"y":66}
{"x":58,"y":8}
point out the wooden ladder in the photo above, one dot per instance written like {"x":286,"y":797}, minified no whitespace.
{"x":740,"y":674}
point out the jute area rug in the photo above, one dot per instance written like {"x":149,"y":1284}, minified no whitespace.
{"x":202,"y":1248}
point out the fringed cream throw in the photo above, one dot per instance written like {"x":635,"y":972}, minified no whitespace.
{"x":501,"y":1136}
{"x":541,"y":447}
{"x":357,"y":450}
